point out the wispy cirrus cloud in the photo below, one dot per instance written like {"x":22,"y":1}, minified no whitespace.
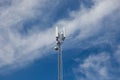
{"x":100,"y":66}
{"x":94,"y":67}
{"x":97,"y":67}
{"x":14,"y":47}
{"x":87,"y":19}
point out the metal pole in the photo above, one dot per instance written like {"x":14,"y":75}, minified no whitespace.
{"x":60,"y":77}
{"x":59,"y":61}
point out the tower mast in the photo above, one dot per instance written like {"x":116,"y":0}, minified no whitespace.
{"x":60,"y":37}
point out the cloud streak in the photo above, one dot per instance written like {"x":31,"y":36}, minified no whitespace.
{"x":85,"y":20}
{"x":101,"y":66}
{"x":94,"y":68}
{"x":13,"y":46}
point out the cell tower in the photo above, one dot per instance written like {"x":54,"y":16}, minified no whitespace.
{"x":60,"y":37}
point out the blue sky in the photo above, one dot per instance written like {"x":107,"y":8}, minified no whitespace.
{"x":91,"y":50}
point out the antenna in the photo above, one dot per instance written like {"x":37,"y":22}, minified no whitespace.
{"x":57,"y":33}
{"x":63,"y":34}
{"x":60,"y":37}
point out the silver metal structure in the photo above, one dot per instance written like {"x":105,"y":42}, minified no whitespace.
{"x":60,"y":37}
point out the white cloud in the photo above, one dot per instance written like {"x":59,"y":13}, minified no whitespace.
{"x":88,"y":20}
{"x":14,"y":48}
{"x":97,"y":67}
